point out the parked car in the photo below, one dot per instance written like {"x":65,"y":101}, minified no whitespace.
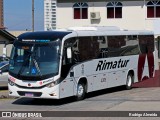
{"x":4,"y":59}
{"x":4,"y":62}
{"x":4,"y":66}
{"x":4,"y":73}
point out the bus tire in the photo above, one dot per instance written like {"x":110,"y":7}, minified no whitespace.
{"x":129,"y":81}
{"x":81,"y":91}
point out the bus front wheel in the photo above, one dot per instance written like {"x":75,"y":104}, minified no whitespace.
{"x":81,"y":91}
{"x":129,"y":81}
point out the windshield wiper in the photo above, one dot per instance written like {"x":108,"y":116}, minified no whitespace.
{"x":37,"y":67}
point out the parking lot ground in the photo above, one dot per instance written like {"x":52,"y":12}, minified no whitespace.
{"x":110,"y":100}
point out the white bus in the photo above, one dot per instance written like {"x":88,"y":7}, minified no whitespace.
{"x":72,"y":62}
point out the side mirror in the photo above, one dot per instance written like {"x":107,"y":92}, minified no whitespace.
{"x":69,"y":53}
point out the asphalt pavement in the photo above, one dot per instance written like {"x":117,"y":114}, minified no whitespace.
{"x":109,"y":100}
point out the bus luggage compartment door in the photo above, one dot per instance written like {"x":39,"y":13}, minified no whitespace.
{"x":66,"y":88}
{"x":99,"y":81}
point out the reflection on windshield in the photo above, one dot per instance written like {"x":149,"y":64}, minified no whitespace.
{"x":34,"y":59}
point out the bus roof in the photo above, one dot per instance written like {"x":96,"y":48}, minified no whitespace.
{"x":82,"y":31}
{"x":52,"y":35}
{"x":106,"y":31}
{"x":113,"y":33}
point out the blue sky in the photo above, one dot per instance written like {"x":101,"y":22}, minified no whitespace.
{"x":18,"y":14}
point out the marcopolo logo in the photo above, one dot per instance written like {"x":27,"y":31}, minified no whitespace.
{"x":104,"y":65}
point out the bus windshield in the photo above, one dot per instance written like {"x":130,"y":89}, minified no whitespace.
{"x":35,"y":59}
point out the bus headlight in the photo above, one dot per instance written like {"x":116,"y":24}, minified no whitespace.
{"x":52,"y":84}
{"x":11,"y":82}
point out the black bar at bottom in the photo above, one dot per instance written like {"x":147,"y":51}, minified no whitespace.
{"x":79,"y":114}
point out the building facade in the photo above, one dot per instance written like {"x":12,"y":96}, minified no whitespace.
{"x":1,"y":14}
{"x":49,"y":14}
{"x":6,"y":41}
{"x":126,"y":14}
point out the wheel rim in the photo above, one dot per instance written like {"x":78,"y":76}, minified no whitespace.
{"x":80,"y":90}
{"x":129,"y":81}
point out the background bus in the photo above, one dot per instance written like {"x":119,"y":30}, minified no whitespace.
{"x":73,"y":62}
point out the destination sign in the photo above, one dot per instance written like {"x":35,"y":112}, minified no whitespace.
{"x":42,"y":41}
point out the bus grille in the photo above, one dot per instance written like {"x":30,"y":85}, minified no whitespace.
{"x":35,"y":94}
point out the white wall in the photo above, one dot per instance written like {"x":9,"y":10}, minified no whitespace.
{"x":133,"y":16}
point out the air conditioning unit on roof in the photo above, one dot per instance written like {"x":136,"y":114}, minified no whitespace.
{"x":95,"y":15}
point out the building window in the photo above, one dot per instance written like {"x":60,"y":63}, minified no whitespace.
{"x":80,"y":10}
{"x":114,"y":10}
{"x":153,"y":9}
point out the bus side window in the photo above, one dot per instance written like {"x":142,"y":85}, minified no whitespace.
{"x":131,"y":47}
{"x":102,"y":47}
{"x":90,"y":47}
{"x":115,"y":45}
{"x":84,"y":48}
{"x":95,"y":44}
{"x":146,"y":43}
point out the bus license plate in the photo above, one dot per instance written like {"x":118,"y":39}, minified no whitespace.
{"x":29,"y":94}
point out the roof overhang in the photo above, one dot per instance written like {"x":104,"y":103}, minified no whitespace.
{"x":7,"y":35}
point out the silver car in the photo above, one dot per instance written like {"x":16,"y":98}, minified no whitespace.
{"x":4,"y":73}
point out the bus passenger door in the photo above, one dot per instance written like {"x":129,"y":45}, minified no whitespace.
{"x":66,"y":86}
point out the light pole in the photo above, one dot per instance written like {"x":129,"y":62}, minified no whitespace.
{"x":32,"y":15}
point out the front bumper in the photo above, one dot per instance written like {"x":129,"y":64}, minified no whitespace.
{"x":51,"y":93}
